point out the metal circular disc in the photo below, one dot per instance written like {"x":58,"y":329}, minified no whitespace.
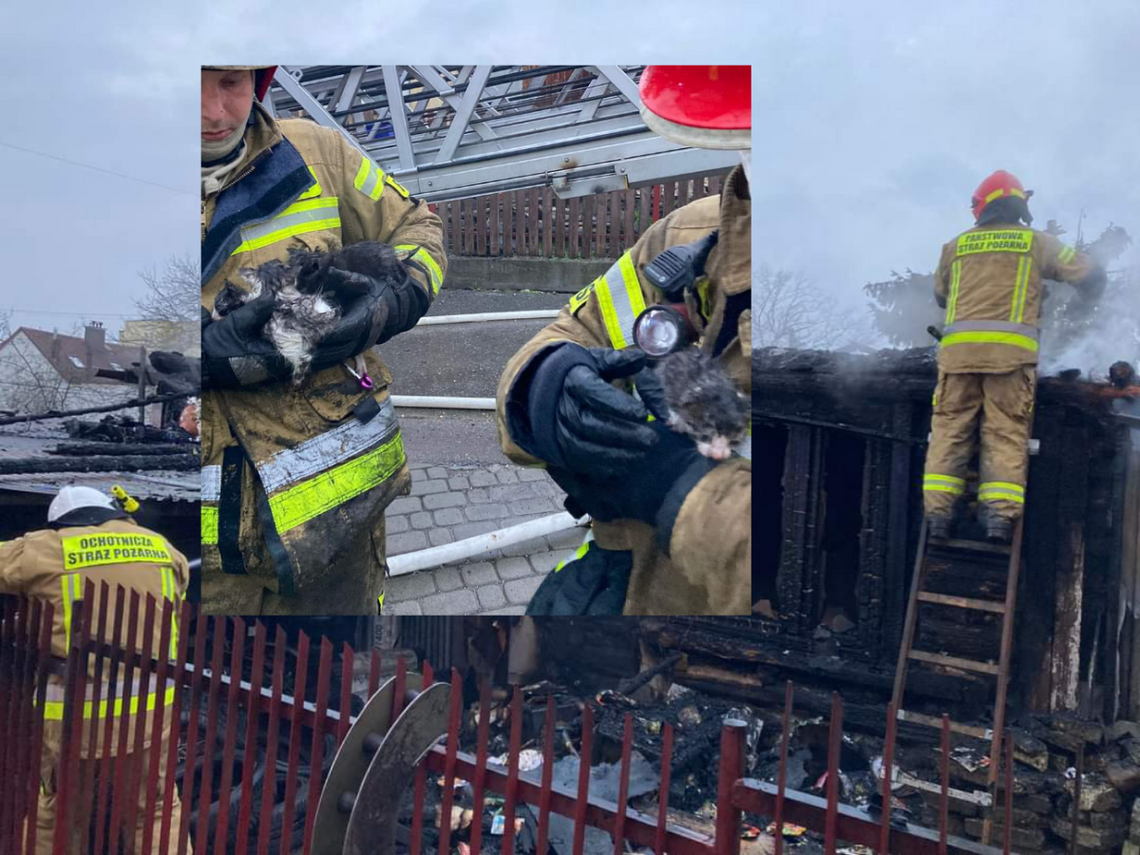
{"x":372,"y":825}
{"x":348,"y":770}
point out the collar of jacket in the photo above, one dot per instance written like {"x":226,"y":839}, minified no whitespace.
{"x":87,"y":516}
{"x":734,"y":247}
{"x":260,"y":195}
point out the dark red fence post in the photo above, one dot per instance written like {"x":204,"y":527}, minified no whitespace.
{"x":623,"y":786}
{"x":834,"y":745}
{"x":514,"y":747}
{"x":944,"y":795}
{"x":479,"y":782}
{"x":782,"y":770}
{"x":547,"y":774}
{"x":584,"y":753}
{"x":731,"y":769}
{"x":455,"y":708}
{"x":888,"y":766}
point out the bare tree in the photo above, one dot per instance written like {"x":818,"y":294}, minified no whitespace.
{"x":27,"y":383}
{"x":174,"y":294}
{"x":5,"y":323}
{"x":790,"y":310}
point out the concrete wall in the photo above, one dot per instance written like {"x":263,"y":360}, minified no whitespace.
{"x":518,"y":274}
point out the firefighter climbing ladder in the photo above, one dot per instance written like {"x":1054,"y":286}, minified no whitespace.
{"x":948,"y":549}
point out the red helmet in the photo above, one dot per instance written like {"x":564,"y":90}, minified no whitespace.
{"x":262,"y":76}
{"x":1000,"y":184}
{"x":707,"y":106}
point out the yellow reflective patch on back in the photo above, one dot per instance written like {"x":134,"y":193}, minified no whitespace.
{"x":93,"y":550}
{"x":395,"y":185}
{"x":209,"y":525}
{"x":998,"y":240}
{"x":579,"y":299}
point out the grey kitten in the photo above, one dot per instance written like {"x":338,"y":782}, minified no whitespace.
{"x":704,"y":402}
{"x":304,"y":310}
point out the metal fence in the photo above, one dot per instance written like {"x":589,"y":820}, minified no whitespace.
{"x":536,"y":223}
{"x":252,"y":738}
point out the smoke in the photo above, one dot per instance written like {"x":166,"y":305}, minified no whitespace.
{"x":1073,"y":337}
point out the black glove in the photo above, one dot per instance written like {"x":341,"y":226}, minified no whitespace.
{"x":378,"y":304}
{"x":233,"y":352}
{"x":564,"y":411}
{"x":652,"y":489}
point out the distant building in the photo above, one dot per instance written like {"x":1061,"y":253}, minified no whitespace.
{"x":41,"y":370}
{"x":184,"y":337}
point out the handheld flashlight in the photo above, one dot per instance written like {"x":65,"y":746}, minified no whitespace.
{"x":662,"y":329}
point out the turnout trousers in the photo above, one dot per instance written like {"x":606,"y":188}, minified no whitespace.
{"x":998,"y":408}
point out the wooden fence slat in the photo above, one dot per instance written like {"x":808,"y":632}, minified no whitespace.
{"x":470,"y":226}
{"x":644,"y":195}
{"x":589,"y":204}
{"x":449,"y":226}
{"x":548,"y":222}
{"x":629,"y":198}
{"x":714,"y":185}
{"x":559,"y":227}
{"x":574,"y":229}
{"x":477,"y":224}
{"x":496,"y":245}
{"x":534,"y":233}
{"x":614,"y":245}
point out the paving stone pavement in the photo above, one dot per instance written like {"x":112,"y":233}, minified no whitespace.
{"x":453,"y":502}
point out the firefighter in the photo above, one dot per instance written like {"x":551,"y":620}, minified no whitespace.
{"x":295,"y":478}
{"x":89,"y":538}
{"x":672,"y":529}
{"x":989,"y":282}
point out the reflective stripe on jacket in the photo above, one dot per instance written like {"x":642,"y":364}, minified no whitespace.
{"x":55,"y":565}
{"x":990,"y":279}
{"x":296,"y":478}
{"x":710,"y":568}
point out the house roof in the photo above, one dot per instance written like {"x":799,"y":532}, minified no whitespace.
{"x":74,"y":359}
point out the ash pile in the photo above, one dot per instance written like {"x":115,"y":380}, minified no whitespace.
{"x":1047,"y":751}
{"x":696,"y":719}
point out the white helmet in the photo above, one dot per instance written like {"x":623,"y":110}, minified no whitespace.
{"x":70,"y":498}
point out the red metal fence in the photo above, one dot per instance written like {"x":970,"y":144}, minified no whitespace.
{"x":536,"y":223}
{"x":252,"y":737}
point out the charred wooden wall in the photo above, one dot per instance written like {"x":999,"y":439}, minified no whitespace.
{"x":1070,"y":592}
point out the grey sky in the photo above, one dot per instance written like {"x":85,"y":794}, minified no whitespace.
{"x":874,"y":120}
{"x":119,"y":88}
{"x":880,"y":119}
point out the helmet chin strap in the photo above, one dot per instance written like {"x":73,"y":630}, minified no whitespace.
{"x":746,"y":160}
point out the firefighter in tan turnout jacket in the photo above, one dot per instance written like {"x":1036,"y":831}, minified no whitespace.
{"x":90,"y":539}
{"x":295,"y":478}
{"x":672,"y":529}
{"x":989,"y":281}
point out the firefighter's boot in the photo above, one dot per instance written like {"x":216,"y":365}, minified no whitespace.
{"x":999,"y":529}
{"x":938,"y":527}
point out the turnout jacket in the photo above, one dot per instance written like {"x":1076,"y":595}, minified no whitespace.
{"x":709,"y":571}
{"x":295,"y":479}
{"x":989,"y":280}
{"x":54,"y":565}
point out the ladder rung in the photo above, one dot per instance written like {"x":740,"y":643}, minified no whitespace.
{"x":962,"y":602}
{"x":936,"y":723}
{"x":973,"y":545}
{"x":954,"y":662}
{"x":978,"y":797}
